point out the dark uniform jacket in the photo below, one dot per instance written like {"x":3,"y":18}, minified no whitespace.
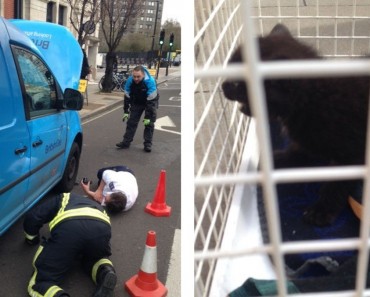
{"x":143,"y":94}
{"x":57,"y":210}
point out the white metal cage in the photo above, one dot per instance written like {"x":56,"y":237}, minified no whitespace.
{"x":229,"y":145}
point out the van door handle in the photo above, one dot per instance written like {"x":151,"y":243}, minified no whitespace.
{"x":37,"y":143}
{"x":20,"y":150}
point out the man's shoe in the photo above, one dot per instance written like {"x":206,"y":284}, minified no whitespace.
{"x":148,"y":149}
{"x":123,"y":145}
{"x":106,"y":285}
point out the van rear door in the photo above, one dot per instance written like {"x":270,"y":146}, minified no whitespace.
{"x":47,"y":126}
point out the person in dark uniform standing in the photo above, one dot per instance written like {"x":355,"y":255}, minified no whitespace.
{"x":141,"y":95}
{"x":78,"y":226}
{"x":85,"y":69}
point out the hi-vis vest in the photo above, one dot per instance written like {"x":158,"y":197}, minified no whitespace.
{"x":77,"y":212}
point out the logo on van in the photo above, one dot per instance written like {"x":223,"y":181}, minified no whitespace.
{"x":40,"y":39}
{"x":50,"y":147}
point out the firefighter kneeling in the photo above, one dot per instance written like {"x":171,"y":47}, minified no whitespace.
{"x":79,"y":226}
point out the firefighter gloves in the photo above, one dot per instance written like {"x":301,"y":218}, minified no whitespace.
{"x":125,"y":117}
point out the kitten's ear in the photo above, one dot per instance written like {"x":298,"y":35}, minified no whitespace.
{"x":280,"y":30}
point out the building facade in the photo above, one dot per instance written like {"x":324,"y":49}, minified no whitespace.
{"x":58,"y":11}
{"x":50,"y":11}
{"x":149,"y":18}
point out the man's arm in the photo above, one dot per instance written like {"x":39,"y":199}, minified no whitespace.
{"x":152,"y":92}
{"x":38,"y":216}
{"x":97,"y":195}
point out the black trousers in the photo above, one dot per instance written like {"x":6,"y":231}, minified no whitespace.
{"x":114,"y":168}
{"x":133,"y":121}
{"x":71,"y":239}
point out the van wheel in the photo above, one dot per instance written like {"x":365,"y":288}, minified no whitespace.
{"x":70,"y":172}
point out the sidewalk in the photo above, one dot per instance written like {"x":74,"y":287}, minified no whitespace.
{"x":99,"y":102}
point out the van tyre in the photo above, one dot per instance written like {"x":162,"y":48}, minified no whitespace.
{"x":70,"y":172}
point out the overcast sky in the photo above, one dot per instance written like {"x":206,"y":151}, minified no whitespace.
{"x":172,"y":9}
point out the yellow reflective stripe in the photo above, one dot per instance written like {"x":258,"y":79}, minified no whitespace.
{"x":97,"y":265}
{"x":52,"y":291}
{"x":28,"y":236}
{"x":79,"y":212}
{"x":65,"y":201}
{"x":30,"y":285}
{"x":38,"y":252}
{"x":33,"y":278}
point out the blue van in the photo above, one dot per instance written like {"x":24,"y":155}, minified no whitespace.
{"x":40,"y":129}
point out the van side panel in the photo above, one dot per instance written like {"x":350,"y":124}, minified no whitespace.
{"x":47,"y":158}
{"x":15,"y":150}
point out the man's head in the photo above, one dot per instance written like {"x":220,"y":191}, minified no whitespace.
{"x":115,"y":202}
{"x":138,"y":74}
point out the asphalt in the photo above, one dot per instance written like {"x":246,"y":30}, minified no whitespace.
{"x":98,"y":102}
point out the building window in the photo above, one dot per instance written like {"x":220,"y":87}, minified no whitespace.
{"x":50,"y":11}
{"x":18,"y":12}
{"x":150,"y":11}
{"x":62,"y":11}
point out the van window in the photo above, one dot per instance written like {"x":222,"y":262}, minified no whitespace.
{"x":39,"y":83}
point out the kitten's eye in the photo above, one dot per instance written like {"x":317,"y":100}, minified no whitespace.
{"x":235,"y":84}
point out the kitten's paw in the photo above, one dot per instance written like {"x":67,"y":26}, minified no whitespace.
{"x":318,"y":217}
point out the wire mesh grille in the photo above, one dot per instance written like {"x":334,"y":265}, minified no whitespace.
{"x":339,"y":29}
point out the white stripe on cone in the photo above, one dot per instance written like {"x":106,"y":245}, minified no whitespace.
{"x":149,"y":264}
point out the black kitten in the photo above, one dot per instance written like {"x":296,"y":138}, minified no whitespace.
{"x":325,"y":118}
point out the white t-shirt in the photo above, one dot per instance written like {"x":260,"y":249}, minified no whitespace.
{"x":121,"y":181}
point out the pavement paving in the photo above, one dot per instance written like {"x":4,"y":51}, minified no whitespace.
{"x":98,"y":102}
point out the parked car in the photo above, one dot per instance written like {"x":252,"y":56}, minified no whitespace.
{"x":177,"y":61}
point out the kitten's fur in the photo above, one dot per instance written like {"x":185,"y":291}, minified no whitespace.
{"x":325,"y":118}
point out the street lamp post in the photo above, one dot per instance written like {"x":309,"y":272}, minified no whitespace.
{"x":155,"y":28}
{"x":172,"y":37}
{"x":161,"y":41}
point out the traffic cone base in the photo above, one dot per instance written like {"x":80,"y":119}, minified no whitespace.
{"x":158,"y":210}
{"x":156,"y":289}
{"x":158,"y":206}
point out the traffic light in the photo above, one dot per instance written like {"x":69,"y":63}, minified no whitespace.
{"x":161,"y":37}
{"x":171,"y":39}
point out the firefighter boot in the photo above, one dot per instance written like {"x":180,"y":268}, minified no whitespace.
{"x":106,"y":281}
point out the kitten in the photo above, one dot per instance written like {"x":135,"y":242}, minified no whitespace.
{"x":325,"y":118}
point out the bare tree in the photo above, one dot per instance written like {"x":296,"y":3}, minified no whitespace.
{"x":116,"y":17}
{"x":84,"y":15}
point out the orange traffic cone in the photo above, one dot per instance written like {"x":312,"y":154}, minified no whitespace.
{"x":158,"y":206}
{"x":145,"y":283}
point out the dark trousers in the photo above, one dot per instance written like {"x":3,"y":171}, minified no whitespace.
{"x":68,"y":241}
{"x":114,"y":168}
{"x":135,"y":115}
